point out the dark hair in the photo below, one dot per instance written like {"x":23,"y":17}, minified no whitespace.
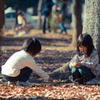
{"x":86,"y":41}
{"x":32,"y":46}
{"x":20,"y":12}
{"x":63,"y":0}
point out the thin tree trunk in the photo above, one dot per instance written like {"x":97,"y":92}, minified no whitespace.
{"x":77,"y":23}
{"x":91,"y":23}
{"x":39,"y":13}
{"x":2,"y":17}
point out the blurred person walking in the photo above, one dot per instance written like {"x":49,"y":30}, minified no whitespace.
{"x":62,"y":16}
{"x":46,"y":10}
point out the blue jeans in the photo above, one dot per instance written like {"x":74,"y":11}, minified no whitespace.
{"x":23,"y":76}
{"x":82,"y":72}
{"x":62,"y":28}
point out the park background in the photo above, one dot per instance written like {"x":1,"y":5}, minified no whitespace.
{"x":57,"y":49}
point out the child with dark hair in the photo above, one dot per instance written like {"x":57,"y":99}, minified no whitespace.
{"x":85,"y":66}
{"x":20,"y":65}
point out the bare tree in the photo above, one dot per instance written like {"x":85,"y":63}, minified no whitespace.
{"x":77,"y":23}
{"x":1,"y":14}
{"x":1,"y":20}
{"x":91,"y":23}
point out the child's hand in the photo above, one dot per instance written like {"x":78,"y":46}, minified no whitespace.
{"x":76,"y":64}
{"x":50,"y":79}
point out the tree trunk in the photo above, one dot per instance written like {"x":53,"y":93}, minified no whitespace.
{"x":2,"y":17}
{"x":91,"y":23}
{"x":77,"y":23}
{"x":39,"y":13}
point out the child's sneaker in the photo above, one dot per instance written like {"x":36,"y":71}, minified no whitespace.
{"x":11,"y":83}
{"x":23,"y":83}
{"x":76,"y":81}
{"x":92,"y":82}
{"x":71,"y":78}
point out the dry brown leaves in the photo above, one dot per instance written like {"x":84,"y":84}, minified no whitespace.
{"x":51,"y":92}
{"x":52,"y":56}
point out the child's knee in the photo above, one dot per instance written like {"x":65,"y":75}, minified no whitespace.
{"x":74,"y":69}
{"x":82,"y":69}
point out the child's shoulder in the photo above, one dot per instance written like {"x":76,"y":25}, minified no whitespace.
{"x":21,"y":52}
{"x":22,"y":55}
{"x":94,"y":52}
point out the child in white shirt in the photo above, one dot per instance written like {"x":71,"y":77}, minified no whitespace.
{"x":20,"y":65}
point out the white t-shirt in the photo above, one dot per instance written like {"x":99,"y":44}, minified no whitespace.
{"x":20,"y":60}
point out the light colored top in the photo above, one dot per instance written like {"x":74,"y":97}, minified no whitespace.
{"x":91,"y":62}
{"x":20,"y":19}
{"x":18,"y":61}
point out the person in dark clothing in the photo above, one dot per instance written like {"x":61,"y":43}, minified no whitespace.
{"x":62,"y":15}
{"x":46,"y":10}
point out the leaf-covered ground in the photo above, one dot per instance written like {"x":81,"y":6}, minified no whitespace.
{"x":66,"y":92}
{"x":54,"y":54}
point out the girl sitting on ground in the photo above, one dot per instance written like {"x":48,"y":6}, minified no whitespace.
{"x":85,"y":66}
{"x":20,"y":65}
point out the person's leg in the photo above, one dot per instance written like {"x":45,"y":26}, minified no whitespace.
{"x":24,"y":74}
{"x":76,"y":77}
{"x":61,"y":27}
{"x":44,"y":24}
{"x":65,"y":30}
{"x":47,"y":23}
{"x":16,"y":30}
{"x":86,"y":73}
{"x":75,"y":73}
{"x":8,"y":78}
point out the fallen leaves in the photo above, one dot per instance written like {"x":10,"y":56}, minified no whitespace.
{"x":51,"y":92}
{"x":52,"y":56}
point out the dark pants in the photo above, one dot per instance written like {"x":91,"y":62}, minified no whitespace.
{"x":82,"y":72}
{"x":45,"y":23}
{"x":62,"y":28}
{"x":23,"y":76}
